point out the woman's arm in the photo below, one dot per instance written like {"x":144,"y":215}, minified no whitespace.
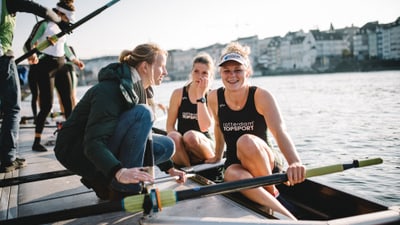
{"x":219,"y":138}
{"x":174,"y":104}
{"x":267,"y":106}
{"x":204,"y":116}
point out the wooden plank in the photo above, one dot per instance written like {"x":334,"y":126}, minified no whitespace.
{"x":4,"y":192}
{"x":13,"y":199}
{"x":8,"y":198}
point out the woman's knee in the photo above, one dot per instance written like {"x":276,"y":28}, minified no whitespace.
{"x":247,"y":142}
{"x":232,"y":173}
{"x":175,"y":135}
{"x":169,"y":146}
{"x":191,"y":139}
{"x":142,"y":112}
{"x":251,"y":146}
{"x":164,"y":147}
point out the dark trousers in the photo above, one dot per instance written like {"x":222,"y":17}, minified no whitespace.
{"x":44,"y":73}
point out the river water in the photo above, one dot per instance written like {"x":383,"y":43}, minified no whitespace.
{"x":336,"y":118}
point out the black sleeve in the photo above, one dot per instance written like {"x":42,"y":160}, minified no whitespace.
{"x":113,"y":172}
{"x":165,"y":166}
{"x":14,"y":6}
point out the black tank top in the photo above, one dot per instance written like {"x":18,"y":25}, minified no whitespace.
{"x":234,"y":124}
{"x":187,"y":115}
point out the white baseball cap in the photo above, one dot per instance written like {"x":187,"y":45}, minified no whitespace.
{"x":233,"y":57}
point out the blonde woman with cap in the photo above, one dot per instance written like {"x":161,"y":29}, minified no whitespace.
{"x":243,"y":113}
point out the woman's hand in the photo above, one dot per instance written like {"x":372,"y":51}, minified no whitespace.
{"x":296,"y":173}
{"x":182,"y":175}
{"x":33,"y":59}
{"x":133,"y":175}
{"x":201,"y":86}
{"x":79,"y":64}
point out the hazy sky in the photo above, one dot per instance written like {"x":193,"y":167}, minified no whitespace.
{"x":185,"y":24}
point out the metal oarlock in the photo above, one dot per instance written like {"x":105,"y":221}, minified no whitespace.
{"x":148,"y":160}
{"x":151,"y":203}
{"x":156,"y":200}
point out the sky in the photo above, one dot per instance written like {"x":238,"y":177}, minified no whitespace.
{"x":185,"y":24}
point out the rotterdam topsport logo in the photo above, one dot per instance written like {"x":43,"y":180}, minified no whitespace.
{"x":242,"y":126}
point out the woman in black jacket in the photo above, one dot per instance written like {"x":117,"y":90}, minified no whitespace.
{"x":104,"y":138}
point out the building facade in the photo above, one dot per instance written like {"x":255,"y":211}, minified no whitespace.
{"x":314,"y":51}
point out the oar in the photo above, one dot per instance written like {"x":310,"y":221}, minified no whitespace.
{"x":63,"y":173}
{"x":34,"y":177}
{"x":57,"y":174}
{"x":169,"y":197}
{"x":43,"y":45}
{"x":137,"y":203}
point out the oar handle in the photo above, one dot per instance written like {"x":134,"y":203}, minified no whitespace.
{"x":369,"y":162}
{"x":340,"y":167}
{"x":169,"y":178}
{"x":40,"y":47}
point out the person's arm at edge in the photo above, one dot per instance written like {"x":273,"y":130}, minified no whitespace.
{"x":14,"y":6}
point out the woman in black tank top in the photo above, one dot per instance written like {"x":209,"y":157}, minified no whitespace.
{"x":189,"y":118}
{"x":243,"y":114}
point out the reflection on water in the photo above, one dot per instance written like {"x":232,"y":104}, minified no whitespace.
{"x":335,"y":118}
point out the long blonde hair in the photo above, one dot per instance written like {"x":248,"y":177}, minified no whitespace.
{"x":141,"y":53}
{"x":206,"y":59}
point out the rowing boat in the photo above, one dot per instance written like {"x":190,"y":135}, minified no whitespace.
{"x":313,"y":203}
{"x":316,"y":203}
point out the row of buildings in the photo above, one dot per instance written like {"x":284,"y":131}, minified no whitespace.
{"x":312,"y":52}
{"x":347,"y":49}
